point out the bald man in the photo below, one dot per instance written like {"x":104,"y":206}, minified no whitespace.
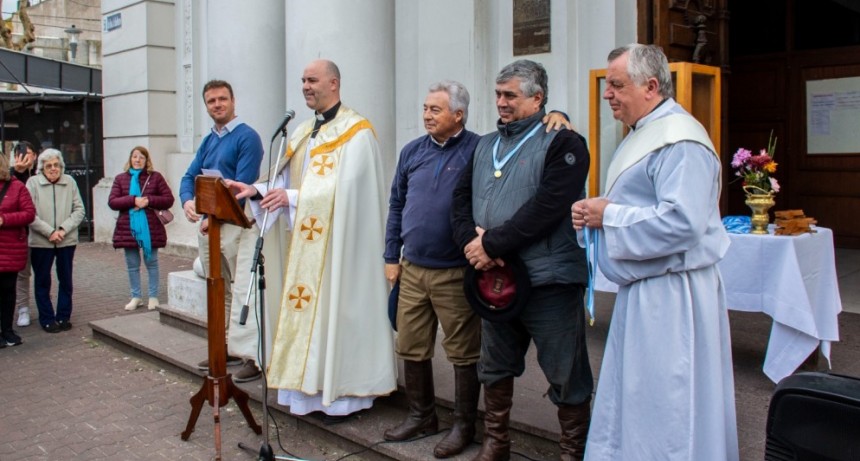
{"x":333,"y":349}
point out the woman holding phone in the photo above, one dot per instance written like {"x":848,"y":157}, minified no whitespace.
{"x":23,"y":166}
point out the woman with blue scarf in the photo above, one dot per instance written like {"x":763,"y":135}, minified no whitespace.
{"x":138,"y":194}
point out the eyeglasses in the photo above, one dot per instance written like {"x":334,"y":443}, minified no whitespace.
{"x":50,"y":166}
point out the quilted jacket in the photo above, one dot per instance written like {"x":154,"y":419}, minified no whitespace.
{"x":160,"y":198}
{"x":17,"y":212}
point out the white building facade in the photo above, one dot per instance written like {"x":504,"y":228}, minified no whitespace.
{"x":156,"y":62}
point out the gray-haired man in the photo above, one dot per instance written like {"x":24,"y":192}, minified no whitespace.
{"x":431,"y":269}
{"x":513,"y":199}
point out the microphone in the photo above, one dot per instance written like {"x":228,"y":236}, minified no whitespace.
{"x":287,"y":117}
{"x":243,"y":316}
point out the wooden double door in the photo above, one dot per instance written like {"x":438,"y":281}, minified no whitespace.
{"x":772,"y":53}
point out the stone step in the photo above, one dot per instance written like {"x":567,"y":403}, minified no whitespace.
{"x":186,"y":292}
{"x":533,"y":413}
{"x":183,"y":320}
{"x":165,"y":336}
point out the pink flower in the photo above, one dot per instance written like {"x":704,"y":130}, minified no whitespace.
{"x":759,"y":161}
{"x":754,"y":170}
{"x":741,"y":157}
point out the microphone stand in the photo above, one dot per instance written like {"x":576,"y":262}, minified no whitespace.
{"x":258,"y":267}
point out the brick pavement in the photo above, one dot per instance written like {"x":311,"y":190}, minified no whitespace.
{"x":66,"y":396}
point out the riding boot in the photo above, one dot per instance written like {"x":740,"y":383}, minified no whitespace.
{"x":422,"y":403}
{"x":496,"y":445}
{"x":574,"y":421}
{"x":466,"y":392}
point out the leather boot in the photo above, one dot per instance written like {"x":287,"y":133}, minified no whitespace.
{"x":466,"y":392}
{"x":496,"y":445}
{"x":574,"y":421}
{"x":422,"y":403}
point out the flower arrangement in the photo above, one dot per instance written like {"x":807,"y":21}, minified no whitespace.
{"x":756,"y":169}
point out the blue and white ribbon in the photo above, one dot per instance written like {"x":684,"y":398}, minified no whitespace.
{"x":592,"y":237}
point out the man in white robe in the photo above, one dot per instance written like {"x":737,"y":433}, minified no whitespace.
{"x":665,"y":389}
{"x":333,"y":349}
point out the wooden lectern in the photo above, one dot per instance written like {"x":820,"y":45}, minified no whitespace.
{"x":214,"y":199}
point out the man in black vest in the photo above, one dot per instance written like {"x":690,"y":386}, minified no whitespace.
{"x":512,"y":201}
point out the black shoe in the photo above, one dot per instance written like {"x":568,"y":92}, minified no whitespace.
{"x":330,"y":420}
{"x":52,"y":327}
{"x":10,"y":338}
{"x":65,"y":325}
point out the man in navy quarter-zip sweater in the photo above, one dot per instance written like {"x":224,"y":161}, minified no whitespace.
{"x":421,"y":252}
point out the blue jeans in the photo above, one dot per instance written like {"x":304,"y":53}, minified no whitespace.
{"x":132,"y":262}
{"x":43,"y":259}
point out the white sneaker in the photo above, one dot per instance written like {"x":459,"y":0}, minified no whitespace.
{"x":133,"y":304}
{"x":153,"y":303}
{"x":23,"y":316}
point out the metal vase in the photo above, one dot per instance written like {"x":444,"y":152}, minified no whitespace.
{"x":759,"y":204}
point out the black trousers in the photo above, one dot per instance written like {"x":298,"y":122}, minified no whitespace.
{"x":7,"y":299}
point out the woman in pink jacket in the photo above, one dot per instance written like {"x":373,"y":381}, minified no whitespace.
{"x":16,"y":213}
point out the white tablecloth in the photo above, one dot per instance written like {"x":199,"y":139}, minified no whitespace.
{"x":790,"y":278}
{"x":793,"y":280}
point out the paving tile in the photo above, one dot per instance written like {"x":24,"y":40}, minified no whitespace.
{"x":69,"y":396}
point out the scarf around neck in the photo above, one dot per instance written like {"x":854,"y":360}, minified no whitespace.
{"x":137,"y":216}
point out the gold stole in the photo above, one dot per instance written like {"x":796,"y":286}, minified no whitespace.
{"x":308,"y":245}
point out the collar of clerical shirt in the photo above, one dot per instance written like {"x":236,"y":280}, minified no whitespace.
{"x":324,"y":117}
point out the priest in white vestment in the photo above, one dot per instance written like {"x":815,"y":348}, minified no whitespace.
{"x":333,"y":347}
{"x":665,"y":389}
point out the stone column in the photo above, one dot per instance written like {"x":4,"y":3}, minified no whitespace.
{"x":232,"y":40}
{"x":139,"y":93}
{"x":243,"y":43}
{"x":358,"y":35}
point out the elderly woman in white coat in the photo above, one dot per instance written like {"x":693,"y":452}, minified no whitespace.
{"x":54,"y":237}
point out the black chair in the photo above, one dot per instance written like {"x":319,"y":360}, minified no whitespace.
{"x":814,"y":417}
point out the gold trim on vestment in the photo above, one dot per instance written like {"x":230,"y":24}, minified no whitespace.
{"x":309,"y":244}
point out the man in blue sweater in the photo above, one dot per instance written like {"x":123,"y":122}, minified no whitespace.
{"x":234,"y":149}
{"x":431,"y":269}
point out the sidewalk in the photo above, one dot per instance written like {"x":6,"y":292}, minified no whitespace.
{"x":67,"y":397}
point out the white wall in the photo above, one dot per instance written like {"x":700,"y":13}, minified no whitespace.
{"x":423,"y":56}
{"x":357,"y":35}
{"x":388,"y":52}
{"x":471,"y":40}
{"x":209,"y":46}
{"x":139,"y":106}
{"x":598,"y":28}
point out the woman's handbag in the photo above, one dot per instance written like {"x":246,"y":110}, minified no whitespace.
{"x":165,"y":216}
